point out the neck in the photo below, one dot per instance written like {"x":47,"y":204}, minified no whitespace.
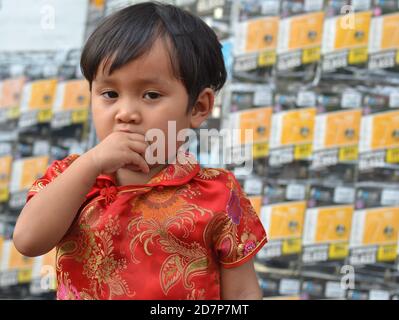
{"x":129,"y":177}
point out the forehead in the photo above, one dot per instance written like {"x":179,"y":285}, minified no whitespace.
{"x":155,"y":64}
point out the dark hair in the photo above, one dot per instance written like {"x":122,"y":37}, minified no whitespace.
{"x":194,"y":50}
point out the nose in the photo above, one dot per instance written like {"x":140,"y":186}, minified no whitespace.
{"x":128,"y":114}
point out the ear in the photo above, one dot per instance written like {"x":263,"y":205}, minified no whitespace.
{"x":202,"y":108}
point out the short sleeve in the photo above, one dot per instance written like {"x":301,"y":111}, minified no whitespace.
{"x":54,"y":170}
{"x":239,"y":234}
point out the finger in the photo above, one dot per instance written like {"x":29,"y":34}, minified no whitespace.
{"x":132,"y":167}
{"x":138,"y":160}
{"x":136,"y":137}
{"x":138,"y":146}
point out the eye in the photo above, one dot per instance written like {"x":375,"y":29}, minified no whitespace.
{"x":152,"y":95}
{"x":110,"y":95}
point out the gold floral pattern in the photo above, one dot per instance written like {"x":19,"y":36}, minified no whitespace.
{"x":96,"y":251}
{"x":163,"y":240}
{"x":185,"y":260}
{"x":208,"y":173}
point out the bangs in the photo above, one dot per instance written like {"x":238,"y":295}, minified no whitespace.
{"x":116,"y":48}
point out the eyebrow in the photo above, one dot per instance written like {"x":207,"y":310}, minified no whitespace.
{"x":140,"y":81}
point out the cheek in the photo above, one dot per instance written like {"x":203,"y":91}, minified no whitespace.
{"x":103,"y":123}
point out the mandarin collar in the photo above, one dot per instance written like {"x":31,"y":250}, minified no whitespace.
{"x":174,"y":174}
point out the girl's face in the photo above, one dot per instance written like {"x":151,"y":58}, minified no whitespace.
{"x":142,"y":95}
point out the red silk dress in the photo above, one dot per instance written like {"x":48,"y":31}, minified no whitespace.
{"x":166,"y":239}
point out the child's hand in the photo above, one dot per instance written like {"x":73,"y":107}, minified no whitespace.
{"x":120,"y":149}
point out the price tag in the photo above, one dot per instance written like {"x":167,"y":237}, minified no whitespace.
{"x":295,"y":192}
{"x":267,"y":58}
{"x":315,"y":253}
{"x":41,"y":147}
{"x":245,"y":63}
{"x":303,"y":151}
{"x":3,"y":115}
{"x":378,"y":295}
{"x":18,"y":199}
{"x":335,"y":61}
{"x":338,"y":250}
{"x":263,"y":97}
{"x":4,"y":194}
{"x":325,"y":158}
{"x":28,"y":119}
{"x":365,"y":255}
{"x":44,"y":115}
{"x":289,"y":287}
{"x":288,"y":61}
{"x":253,"y":186}
{"x":387,"y":253}
{"x":392,"y":155}
{"x":306,"y":99}
{"x":61,"y":119}
{"x":8,"y":278}
{"x":24,"y":276}
{"x":361,"y":5}
{"x":351,"y":99}
{"x":79,"y":116}
{"x":273,"y":249}
{"x":349,"y":153}
{"x":344,"y":195}
{"x":270,"y":7}
{"x":204,"y":5}
{"x":260,"y":150}
{"x":389,"y":197}
{"x":292,"y":246}
{"x":13,"y":113}
{"x":334,"y":290}
{"x":281,"y":156}
{"x":372,"y":160}
{"x":313,"y":5}
{"x":394,"y":99}
{"x":358,"y":55}
{"x":382,"y":60}
{"x":311,"y":55}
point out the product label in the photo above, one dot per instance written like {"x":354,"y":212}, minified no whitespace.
{"x":284,"y":225}
{"x":257,"y":35}
{"x":375,"y":234}
{"x":71,"y":103}
{"x":384,"y":41}
{"x":379,"y":140}
{"x":328,"y":224}
{"x":37,"y":102}
{"x":258,"y":121}
{"x":5,"y":174}
{"x":293,"y":129}
{"x":253,"y":186}
{"x":301,"y":34}
{"x":26,"y":171}
{"x":257,"y":38}
{"x":10,"y":97}
{"x":375,"y":226}
{"x":349,"y":34}
{"x":327,"y":232}
{"x":337,"y":137}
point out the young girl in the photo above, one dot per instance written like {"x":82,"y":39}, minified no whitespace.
{"x":125,"y":229}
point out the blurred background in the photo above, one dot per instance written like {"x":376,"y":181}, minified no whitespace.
{"x":317,"y":81}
